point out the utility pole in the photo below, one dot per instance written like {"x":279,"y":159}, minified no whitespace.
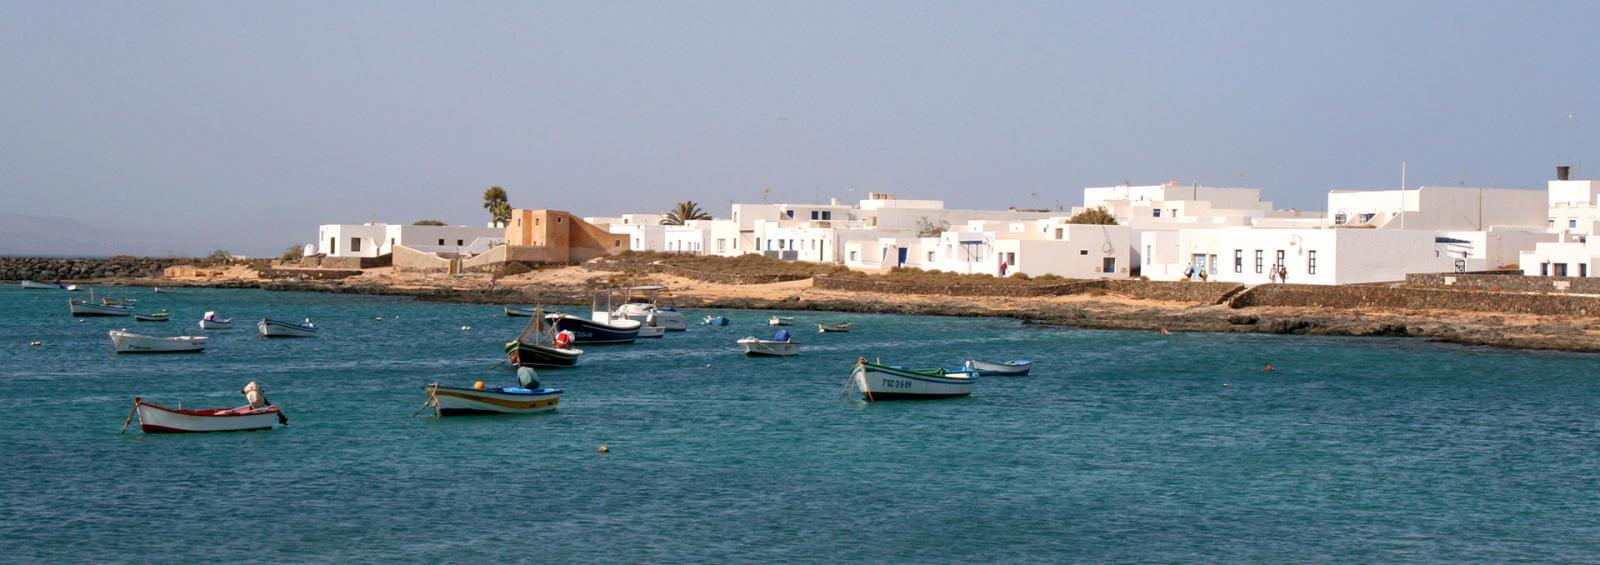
{"x":1402,"y":195}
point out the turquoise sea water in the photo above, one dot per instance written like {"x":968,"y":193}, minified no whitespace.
{"x":1123,"y":446}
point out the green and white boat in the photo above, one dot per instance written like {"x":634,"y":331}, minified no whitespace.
{"x":892,"y":382}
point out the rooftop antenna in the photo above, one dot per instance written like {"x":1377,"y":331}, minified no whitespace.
{"x":764,"y":191}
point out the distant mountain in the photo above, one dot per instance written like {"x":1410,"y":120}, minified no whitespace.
{"x":24,"y":234}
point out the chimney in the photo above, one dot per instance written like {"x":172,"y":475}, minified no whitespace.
{"x":1563,"y":171}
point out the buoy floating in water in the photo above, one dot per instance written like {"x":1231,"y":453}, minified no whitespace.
{"x":604,"y":449}
{"x":379,"y":318}
{"x":35,"y":343}
{"x":1269,"y":367}
{"x":465,"y":328}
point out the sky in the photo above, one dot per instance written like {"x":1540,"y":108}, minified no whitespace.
{"x":182,"y":127}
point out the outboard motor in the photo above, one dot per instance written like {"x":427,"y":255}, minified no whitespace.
{"x":527,"y":378}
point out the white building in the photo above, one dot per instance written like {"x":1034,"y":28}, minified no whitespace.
{"x":1573,"y":220}
{"x":375,"y":239}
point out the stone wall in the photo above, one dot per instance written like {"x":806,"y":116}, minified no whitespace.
{"x":1403,"y":298}
{"x":44,"y":269}
{"x":999,"y":288}
{"x":1505,"y":282}
{"x":408,"y":259}
{"x":1175,"y":291}
{"x":326,"y":262}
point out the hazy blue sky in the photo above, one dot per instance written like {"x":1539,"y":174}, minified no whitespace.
{"x":244,"y":125}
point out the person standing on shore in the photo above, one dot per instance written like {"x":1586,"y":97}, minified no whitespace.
{"x":1272,"y":274}
{"x":1283,"y":273}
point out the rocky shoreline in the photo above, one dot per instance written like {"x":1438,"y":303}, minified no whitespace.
{"x":51,"y":269}
{"x":1481,"y":329}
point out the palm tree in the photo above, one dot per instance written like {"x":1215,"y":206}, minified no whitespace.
{"x":683,"y":212}
{"x":496,"y":202}
{"x":1098,"y":215}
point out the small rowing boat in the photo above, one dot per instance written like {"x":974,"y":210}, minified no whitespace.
{"x":268,"y":327}
{"x":529,"y":398}
{"x":157,"y":316}
{"x":781,"y":345}
{"x":128,"y":342}
{"x":154,"y":418}
{"x":781,"y":321}
{"x":31,"y":285}
{"x":714,"y":321}
{"x":890,"y":382}
{"x":213,"y":322}
{"x":823,"y":328}
{"x":518,"y":311}
{"x":89,"y":308}
{"x":1015,"y":368}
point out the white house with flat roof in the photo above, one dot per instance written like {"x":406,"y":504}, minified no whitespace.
{"x":1573,"y":219}
{"x":375,"y":239}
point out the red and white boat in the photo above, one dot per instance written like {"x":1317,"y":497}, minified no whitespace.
{"x":155,"y":418}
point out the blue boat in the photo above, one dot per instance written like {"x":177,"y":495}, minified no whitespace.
{"x":592,"y":332}
{"x":714,"y":321}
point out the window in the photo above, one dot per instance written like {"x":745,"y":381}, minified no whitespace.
{"x":790,"y":213}
{"x":333,"y":246}
{"x":1572,"y":223}
{"x":930,"y":256}
{"x":1279,"y":261}
{"x":780,"y":244}
{"x":758,"y":244}
{"x":558,"y":219}
{"x":815,"y":215}
{"x":1060,"y":234}
{"x":1544,"y":269}
{"x":355,"y":245}
{"x":391,"y":242}
{"x":1156,"y":213}
{"x":1311,"y":262}
{"x":722,"y":245}
{"x":1083,"y":251}
{"x":1238,"y":260}
{"x":1258,"y":261}
{"x":852,"y":255}
{"x":1147,"y":255}
{"x":441,"y":241}
{"x":617,"y":243}
{"x":791,"y":245}
{"x":1560,"y":269}
{"x":460,"y":243}
{"x":1108,"y":265}
{"x":1583,"y":269}
{"x":826,"y":215}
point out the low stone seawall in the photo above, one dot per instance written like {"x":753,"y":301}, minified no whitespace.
{"x":887,"y":286}
{"x":309,"y":274}
{"x":1401,"y":298}
{"x":1505,"y":282}
{"x":1175,"y":291}
{"x":720,"y":278}
{"x":45,"y":269}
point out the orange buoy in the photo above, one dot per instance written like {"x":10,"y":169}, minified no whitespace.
{"x":1269,"y":367}
{"x":478,"y":385}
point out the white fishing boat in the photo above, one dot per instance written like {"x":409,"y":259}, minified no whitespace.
{"x":781,"y":345}
{"x":529,"y":398}
{"x":887,"y":382}
{"x":31,"y":285}
{"x":128,"y":342}
{"x":155,"y":418}
{"x":89,"y":308}
{"x":1015,"y":368}
{"x":72,"y":288}
{"x":648,"y":309}
{"x":213,"y":322}
{"x":781,"y":321}
{"x":823,"y":328}
{"x":518,"y":311}
{"x":273,"y":328}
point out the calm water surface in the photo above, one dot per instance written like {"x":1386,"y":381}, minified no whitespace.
{"x":1122,"y":446}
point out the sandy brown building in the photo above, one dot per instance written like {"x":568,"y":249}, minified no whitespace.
{"x":556,"y":236}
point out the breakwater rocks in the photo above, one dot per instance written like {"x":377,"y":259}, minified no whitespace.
{"x":48,"y":269}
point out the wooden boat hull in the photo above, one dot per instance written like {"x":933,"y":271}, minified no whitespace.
{"x":534,"y":355}
{"x":832,"y":328}
{"x":592,"y":332}
{"x":161,"y":419}
{"x":82,"y":308}
{"x":462,"y":401}
{"x":274,"y":328}
{"x":881,"y":382}
{"x":1007,"y":369}
{"x":769,"y":348}
{"x":518,"y":312}
{"x":128,"y":342}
